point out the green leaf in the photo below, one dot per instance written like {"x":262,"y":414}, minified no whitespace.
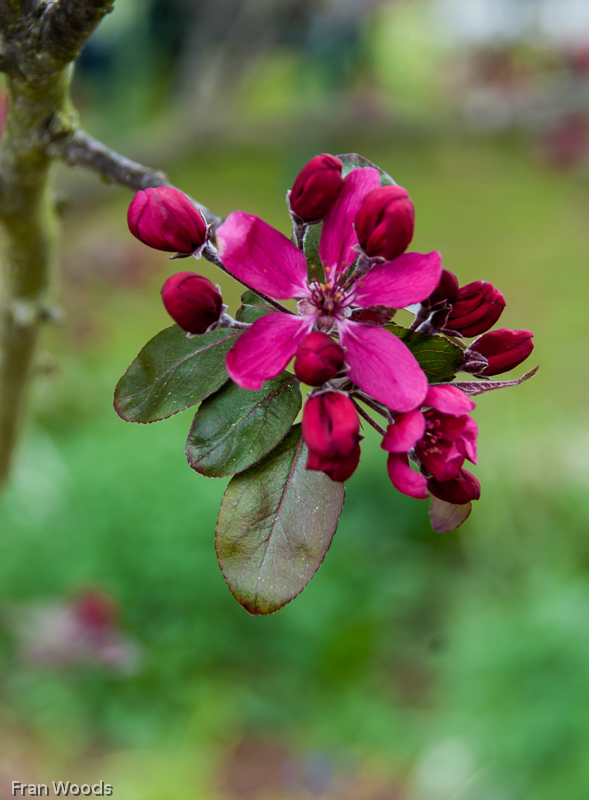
{"x":275,"y":526}
{"x":352,"y":161}
{"x":439,"y":358}
{"x":172,"y":373}
{"x":311,"y":251}
{"x":253,"y":307}
{"x":234,"y":428}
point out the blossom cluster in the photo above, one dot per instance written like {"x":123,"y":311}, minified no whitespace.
{"x":338,"y":329}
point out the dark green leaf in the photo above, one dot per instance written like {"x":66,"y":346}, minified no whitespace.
{"x":275,"y":526}
{"x":253,"y":307}
{"x":172,"y":373}
{"x":351,"y":161}
{"x":311,"y":250}
{"x":234,"y":428}
{"x":439,"y":358}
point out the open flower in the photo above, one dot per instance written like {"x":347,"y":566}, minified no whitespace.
{"x":440,"y":437}
{"x":377,"y":361}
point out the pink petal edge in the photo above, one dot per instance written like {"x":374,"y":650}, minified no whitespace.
{"x":382,"y":366}
{"x":408,"y":279}
{"x":338,"y":236}
{"x":404,"y":433}
{"x":449,"y":400}
{"x":265,"y":349}
{"x":262,"y":257}
{"x":405,"y":479}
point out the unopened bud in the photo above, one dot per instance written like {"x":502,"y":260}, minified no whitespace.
{"x":339,"y":469}
{"x":445,"y":292}
{"x":458,"y":491}
{"x":164,"y":218}
{"x":503,"y":349}
{"x":476,"y":309}
{"x":318,"y":359}
{"x":192,"y":301}
{"x":316,"y":188}
{"x":331,"y":426}
{"x":385,"y":222}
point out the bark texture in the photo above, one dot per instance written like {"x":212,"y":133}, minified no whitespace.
{"x":39,"y":41}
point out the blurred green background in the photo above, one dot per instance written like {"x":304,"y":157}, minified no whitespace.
{"x":415,"y":666}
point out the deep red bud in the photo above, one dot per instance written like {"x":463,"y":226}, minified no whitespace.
{"x":192,"y":301}
{"x":385,"y":222}
{"x":316,"y":188}
{"x":458,"y":491}
{"x":318,"y":359}
{"x":446,"y":291}
{"x":164,"y":218}
{"x":337,"y":469}
{"x":503,"y":349}
{"x":331,"y":426}
{"x":476,"y":309}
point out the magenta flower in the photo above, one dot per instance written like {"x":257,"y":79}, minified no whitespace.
{"x":441,"y":437}
{"x":377,"y":361}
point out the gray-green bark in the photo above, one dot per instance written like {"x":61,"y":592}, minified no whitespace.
{"x":38,"y":45}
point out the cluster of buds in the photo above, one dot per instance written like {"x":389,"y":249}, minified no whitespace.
{"x":471,"y":311}
{"x":338,"y":336}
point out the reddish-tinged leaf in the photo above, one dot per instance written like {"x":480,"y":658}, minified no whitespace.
{"x":275,"y":526}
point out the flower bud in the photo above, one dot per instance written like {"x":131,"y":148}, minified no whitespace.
{"x":476,"y":309}
{"x":316,"y":188}
{"x":339,"y":469}
{"x":503,"y":349}
{"x":446,"y":291}
{"x":458,"y":491}
{"x":331,"y":427}
{"x":164,"y":218}
{"x":385,"y":222}
{"x":318,"y":359}
{"x":192,"y":301}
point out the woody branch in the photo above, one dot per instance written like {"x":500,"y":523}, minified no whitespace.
{"x":39,"y":41}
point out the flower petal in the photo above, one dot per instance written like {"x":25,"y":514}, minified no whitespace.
{"x":382,"y":366}
{"x":404,"y":478}
{"x":262,"y":257}
{"x":338,"y":236}
{"x":449,"y":400}
{"x":469,"y":439}
{"x":407,"y":279}
{"x":264,"y":350}
{"x":404,"y":432}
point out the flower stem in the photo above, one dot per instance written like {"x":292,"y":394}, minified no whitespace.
{"x":369,"y":419}
{"x":380,"y":409}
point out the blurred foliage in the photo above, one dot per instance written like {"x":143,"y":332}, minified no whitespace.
{"x":456,"y":663}
{"x":414,"y":665}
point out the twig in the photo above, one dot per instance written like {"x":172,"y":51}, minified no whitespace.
{"x":369,"y":419}
{"x":68,"y":23}
{"x":80,"y":149}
